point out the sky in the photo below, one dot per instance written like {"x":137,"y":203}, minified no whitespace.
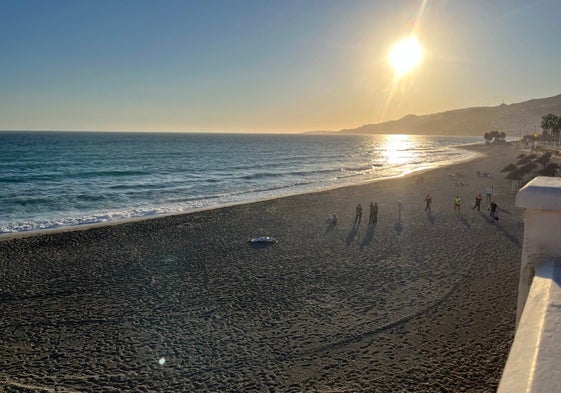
{"x":263,"y":65}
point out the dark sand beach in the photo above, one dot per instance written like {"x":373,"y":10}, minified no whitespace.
{"x":185,"y":304}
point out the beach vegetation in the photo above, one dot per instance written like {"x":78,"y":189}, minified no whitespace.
{"x":551,"y":126}
{"x":494,"y":137}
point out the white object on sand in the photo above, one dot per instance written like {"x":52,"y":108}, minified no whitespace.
{"x":263,"y":239}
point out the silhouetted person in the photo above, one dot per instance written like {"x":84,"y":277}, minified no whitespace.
{"x":428,"y":201}
{"x":358,"y":216}
{"x":373,"y":213}
{"x":489,"y":193}
{"x":493,"y":211}
{"x":399,"y":210}
{"x":457,"y":203}
{"x":478,"y":199}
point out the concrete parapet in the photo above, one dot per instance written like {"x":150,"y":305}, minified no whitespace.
{"x":533,"y":362}
{"x":542,"y":229}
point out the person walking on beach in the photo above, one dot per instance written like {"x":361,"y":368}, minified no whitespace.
{"x":358,"y":216}
{"x":399,"y":210}
{"x":493,"y":211}
{"x":428,"y":201}
{"x":477,"y":202}
{"x":373,"y":213}
{"x":457,"y":204}
{"x":489,"y":193}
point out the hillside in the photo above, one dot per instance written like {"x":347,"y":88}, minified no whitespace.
{"x":511,"y":119}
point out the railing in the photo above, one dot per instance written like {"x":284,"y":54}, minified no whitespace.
{"x":533,"y":364}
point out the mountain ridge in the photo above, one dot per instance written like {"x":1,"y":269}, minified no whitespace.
{"x":513,"y":119}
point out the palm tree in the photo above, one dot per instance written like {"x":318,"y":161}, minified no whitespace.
{"x":556,"y":124}
{"x":550,"y":125}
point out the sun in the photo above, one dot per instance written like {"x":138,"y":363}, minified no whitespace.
{"x":405,"y":56}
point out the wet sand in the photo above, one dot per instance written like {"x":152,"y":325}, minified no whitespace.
{"x":185,"y":303}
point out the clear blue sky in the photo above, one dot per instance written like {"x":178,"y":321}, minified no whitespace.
{"x":264,"y":66}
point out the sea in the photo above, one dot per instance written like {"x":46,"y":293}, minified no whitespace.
{"x":66,"y":179}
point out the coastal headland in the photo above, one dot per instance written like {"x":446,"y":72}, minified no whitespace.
{"x":184,"y":303}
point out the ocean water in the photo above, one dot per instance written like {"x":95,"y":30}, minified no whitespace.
{"x":61,"y":179}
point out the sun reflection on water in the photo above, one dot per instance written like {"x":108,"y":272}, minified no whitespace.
{"x":397,"y":149}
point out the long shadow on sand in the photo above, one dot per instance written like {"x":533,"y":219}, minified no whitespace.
{"x":503,"y":211}
{"x":352,"y":235}
{"x":368,"y":236}
{"x":431,"y":218}
{"x":330,"y":227}
{"x":499,"y":228}
{"x":464,"y":220}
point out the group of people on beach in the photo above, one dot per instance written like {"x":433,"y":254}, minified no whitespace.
{"x":478,"y":198}
{"x":373,"y":216}
{"x":489,"y":195}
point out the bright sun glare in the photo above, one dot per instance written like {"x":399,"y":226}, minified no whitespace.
{"x":405,"y":56}
{"x":397,"y":148}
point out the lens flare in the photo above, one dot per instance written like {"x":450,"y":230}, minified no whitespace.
{"x":405,"y":56}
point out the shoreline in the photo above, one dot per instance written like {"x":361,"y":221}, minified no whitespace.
{"x":420,"y":304}
{"x":79,"y":227}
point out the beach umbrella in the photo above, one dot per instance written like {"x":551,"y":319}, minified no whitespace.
{"x":529,"y":167}
{"x":526,"y":159}
{"x":509,"y":168}
{"x":518,"y":175}
{"x":550,"y":170}
{"x":544,"y":159}
{"x":515,"y":175}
